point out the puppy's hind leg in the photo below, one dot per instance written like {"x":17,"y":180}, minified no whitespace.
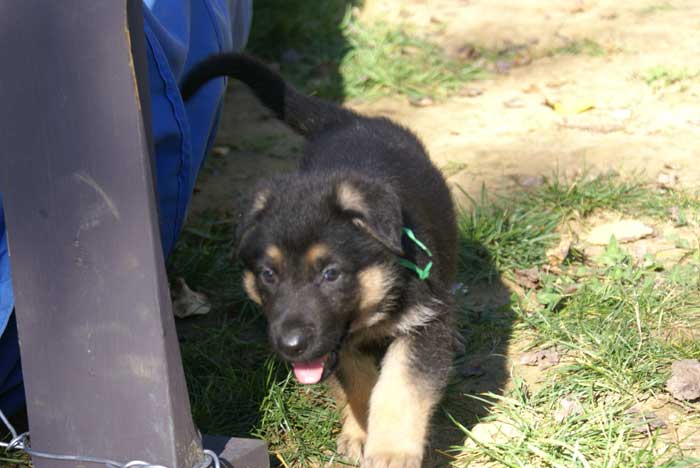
{"x":412,"y":377}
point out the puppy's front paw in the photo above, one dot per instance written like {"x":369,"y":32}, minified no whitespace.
{"x":351,"y":446}
{"x":392,"y":460}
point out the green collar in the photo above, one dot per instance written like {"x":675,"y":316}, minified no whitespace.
{"x":422,"y":273}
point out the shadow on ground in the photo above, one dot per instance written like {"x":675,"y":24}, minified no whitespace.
{"x":485,"y":322}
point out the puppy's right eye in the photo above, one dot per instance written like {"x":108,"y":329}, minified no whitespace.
{"x":268,"y":276}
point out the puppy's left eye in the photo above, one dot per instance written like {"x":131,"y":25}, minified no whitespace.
{"x":331,"y":274}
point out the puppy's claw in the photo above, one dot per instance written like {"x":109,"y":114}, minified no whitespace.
{"x":392,"y":460}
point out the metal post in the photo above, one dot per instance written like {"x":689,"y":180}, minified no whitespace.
{"x":100,"y":355}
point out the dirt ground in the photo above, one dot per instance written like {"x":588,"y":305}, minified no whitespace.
{"x":499,"y":131}
{"x":505,"y":136}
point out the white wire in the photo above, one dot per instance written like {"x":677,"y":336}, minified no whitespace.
{"x":21,"y":442}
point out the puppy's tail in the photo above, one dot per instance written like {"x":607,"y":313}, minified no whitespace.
{"x":305,"y":114}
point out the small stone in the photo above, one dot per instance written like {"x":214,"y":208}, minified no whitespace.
{"x":684,"y":383}
{"x":567,"y":407}
{"x":503,"y":66}
{"x":621,"y":114}
{"x":542,"y":358}
{"x":667,"y":180}
{"x":424,"y":101}
{"x":627,"y":230}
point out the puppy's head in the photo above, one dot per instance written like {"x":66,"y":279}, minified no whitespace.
{"x":318,"y":255}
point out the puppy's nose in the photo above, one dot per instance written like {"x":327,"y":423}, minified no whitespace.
{"x":294,"y":343}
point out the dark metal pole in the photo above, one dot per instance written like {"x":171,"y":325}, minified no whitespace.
{"x":100,"y":355}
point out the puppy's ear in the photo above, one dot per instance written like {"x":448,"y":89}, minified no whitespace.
{"x":375,"y":208}
{"x":252,"y":211}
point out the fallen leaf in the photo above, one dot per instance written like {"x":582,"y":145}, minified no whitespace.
{"x":528,"y":279}
{"x":643,"y":421}
{"x":220,"y":150}
{"x":567,"y":407}
{"x":570,"y":106}
{"x":514,"y":103}
{"x":626,"y":230}
{"x":557,"y":255}
{"x":684,"y":383}
{"x":187,"y":302}
{"x":533,"y":88}
{"x":542,"y":358}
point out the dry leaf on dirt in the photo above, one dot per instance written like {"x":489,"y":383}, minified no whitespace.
{"x":644,"y":421}
{"x":570,"y":106}
{"x":626,"y":230}
{"x":567,"y":407}
{"x":528,"y":279}
{"x":221,"y":150}
{"x":542,"y":358}
{"x":684,"y":383}
{"x":187,"y":302}
{"x":557,"y":255}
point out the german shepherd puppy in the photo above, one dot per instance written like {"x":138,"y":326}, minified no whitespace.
{"x":351,"y":259}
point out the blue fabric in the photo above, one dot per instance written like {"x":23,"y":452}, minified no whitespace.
{"x":178,"y":33}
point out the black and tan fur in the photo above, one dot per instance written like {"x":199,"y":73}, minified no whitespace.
{"x":320,"y":248}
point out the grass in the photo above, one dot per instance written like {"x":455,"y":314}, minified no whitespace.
{"x":619,"y":331}
{"x":613,"y":331}
{"x":324,"y":49}
{"x":663,"y":76}
{"x":385,"y":60}
{"x":584,"y":46}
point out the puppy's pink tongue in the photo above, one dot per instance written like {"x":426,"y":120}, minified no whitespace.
{"x":309,"y":372}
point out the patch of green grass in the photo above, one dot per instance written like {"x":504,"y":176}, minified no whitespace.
{"x":663,"y":76}
{"x":385,"y":59}
{"x":613,"y":334}
{"x":326,"y":51}
{"x":619,"y":331}
{"x":584,"y":46}
{"x":505,"y":234}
